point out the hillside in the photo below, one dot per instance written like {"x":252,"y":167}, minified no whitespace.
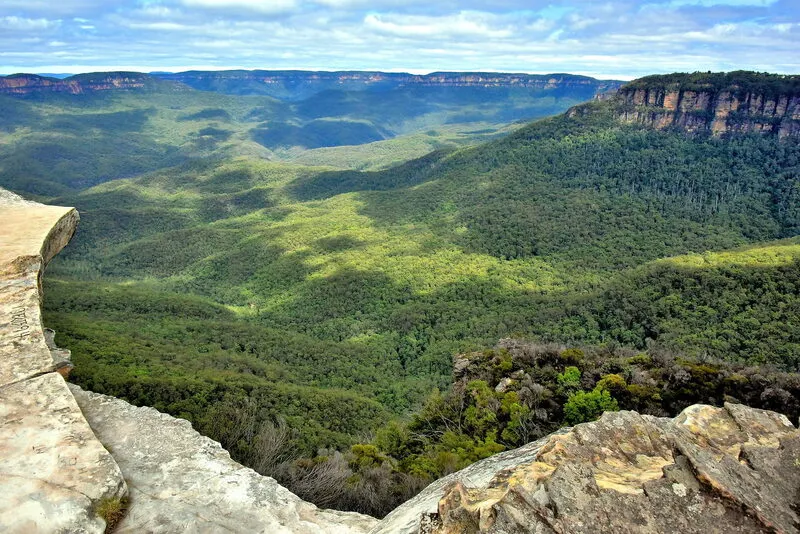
{"x":62,"y":135}
{"x":333,"y":298}
{"x":80,"y":461}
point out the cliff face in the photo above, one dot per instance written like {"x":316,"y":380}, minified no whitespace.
{"x":719,"y":104}
{"x":26,"y":84}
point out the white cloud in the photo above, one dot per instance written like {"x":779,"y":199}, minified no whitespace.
{"x":620,"y":38}
{"x":472,"y":24}
{"x":25,"y":24}
{"x":261,"y":6}
{"x":735,"y":3}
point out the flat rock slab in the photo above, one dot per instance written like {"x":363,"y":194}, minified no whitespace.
{"x":182,"y":482}
{"x":53,"y":471}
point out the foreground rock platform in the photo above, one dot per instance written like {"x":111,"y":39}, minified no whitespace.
{"x":54,"y":473}
{"x":708,"y":470}
{"x":181,"y":481}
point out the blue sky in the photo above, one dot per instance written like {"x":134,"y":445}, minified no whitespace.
{"x":621,"y":39}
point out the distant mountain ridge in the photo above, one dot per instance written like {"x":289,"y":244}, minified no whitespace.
{"x":299,"y":85}
{"x":26,"y":84}
{"x":296,"y":84}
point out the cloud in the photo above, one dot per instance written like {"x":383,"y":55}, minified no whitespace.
{"x":261,"y":6}
{"x":466,"y":24}
{"x":620,"y":38}
{"x":25,"y":24}
{"x":735,"y":3}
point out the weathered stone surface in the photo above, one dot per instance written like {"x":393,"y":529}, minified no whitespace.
{"x":405,"y":519}
{"x":30,"y":235}
{"x":182,"y":482}
{"x":710,"y":469}
{"x":714,"y":111}
{"x":53,"y":471}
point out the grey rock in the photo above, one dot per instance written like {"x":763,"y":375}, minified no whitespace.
{"x":405,"y":519}
{"x":717,"y":470}
{"x":53,"y":471}
{"x":182,"y":482}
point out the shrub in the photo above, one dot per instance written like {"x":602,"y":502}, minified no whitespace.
{"x":571,"y":356}
{"x":112,"y":510}
{"x":584,"y":406}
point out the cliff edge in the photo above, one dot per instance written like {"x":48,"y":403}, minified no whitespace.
{"x":717,"y":103}
{"x":54,"y":473}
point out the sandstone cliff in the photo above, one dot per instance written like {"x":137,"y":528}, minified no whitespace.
{"x":736,"y":102}
{"x":26,"y":84}
{"x":54,"y":473}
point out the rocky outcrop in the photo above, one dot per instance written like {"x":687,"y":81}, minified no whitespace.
{"x":731,"y":469}
{"x":406,"y":518}
{"x":737,"y":102}
{"x":54,"y":473}
{"x":26,"y":84}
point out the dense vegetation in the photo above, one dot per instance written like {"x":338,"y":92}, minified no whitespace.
{"x":280,"y":306}
{"x":369,"y":281}
{"x":500,"y":399}
{"x":54,"y":143}
{"x":737,"y":82}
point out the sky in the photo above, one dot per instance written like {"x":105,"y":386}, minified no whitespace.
{"x":622,"y":39}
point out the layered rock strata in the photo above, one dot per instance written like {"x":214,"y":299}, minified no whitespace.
{"x":736,"y":103}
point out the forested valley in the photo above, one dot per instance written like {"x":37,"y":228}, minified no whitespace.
{"x":475,"y":296}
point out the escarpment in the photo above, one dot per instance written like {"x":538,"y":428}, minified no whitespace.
{"x":27,"y":84}
{"x":736,"y":102}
